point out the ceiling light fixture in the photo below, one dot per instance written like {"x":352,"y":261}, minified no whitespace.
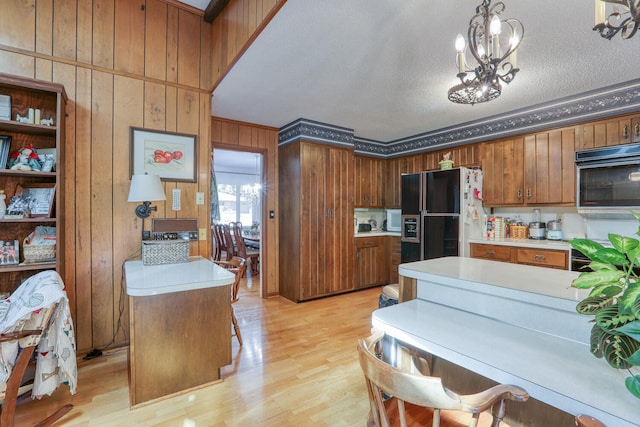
{"x":625,"y":17}
{"x":495,"y":63}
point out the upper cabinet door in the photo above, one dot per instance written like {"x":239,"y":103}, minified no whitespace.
{"x":503,"y":172}
{"x":369,"y":184}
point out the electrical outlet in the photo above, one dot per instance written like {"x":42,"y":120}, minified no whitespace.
{"x":200,"y":198}
{"x":202,"y":234}
{"x":560,"y":217}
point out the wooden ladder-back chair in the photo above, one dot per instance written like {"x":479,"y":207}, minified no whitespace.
{"x":237,"y":266}
{"x":216,"y":244}
{"x":252,"y":255}
{"x":229,"y":245}
{"x":26,"y":318}
{"x":418,"y":399}
{"x":588,"y":421}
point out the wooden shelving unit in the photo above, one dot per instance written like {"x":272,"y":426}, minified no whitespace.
{"x":50,"y":99}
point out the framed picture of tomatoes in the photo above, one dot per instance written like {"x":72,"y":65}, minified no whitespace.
{"x":171,"y":155}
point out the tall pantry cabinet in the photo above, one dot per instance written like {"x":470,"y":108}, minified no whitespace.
{"x":316,"y":220}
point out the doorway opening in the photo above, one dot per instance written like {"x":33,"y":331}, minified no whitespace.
{"x":239,"y":181}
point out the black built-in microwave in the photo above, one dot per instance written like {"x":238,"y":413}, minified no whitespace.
{"x":608,"y":180}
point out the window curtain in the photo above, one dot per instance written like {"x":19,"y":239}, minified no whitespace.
{"x":215,"y":205}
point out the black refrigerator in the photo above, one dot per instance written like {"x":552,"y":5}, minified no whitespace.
{"x":433,"y":204}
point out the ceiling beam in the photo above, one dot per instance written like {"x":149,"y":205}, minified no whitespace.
{"x":213,"y":9}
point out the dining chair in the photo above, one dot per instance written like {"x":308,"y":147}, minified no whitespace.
{"x":217,"y":243}
{"x":237,"y":266}
{"x":229,"y":244}
{"x":587,"y":421}
{"x":36,"y":315}
{"x":252,"y":255}
{"x":417,"y":399}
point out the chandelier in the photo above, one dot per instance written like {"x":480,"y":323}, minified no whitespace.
{"x":495,"y":62}
{"x":625,"y":19}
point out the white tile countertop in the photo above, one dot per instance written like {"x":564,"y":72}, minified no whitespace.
{"x":527,"y":243}
{"x":198,"y":273}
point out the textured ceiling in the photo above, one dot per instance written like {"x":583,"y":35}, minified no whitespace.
{"x":383,"y":68}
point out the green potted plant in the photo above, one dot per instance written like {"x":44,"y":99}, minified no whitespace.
{"x":614,"y":301}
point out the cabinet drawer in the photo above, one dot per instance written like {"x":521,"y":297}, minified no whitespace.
{"x":368,"y":242}
{"x":494,"y":252}
{"x":542,"y":257}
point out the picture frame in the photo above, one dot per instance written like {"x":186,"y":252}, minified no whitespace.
{"x":38,"y":197}
{"x":9,"y":252}
{"x":171,"y":155}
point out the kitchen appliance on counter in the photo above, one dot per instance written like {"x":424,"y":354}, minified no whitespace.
{"x":441,"y":210}
{"x":537,"y":230}
{"x":608,"y":180}
{"x":394,"y":219}
{"x":554,"y":230}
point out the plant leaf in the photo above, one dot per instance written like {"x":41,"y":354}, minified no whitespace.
{"x":633,"y":385}
{"x":615,"y":349}
{"x":611,"y":256}
{"x":632,"y":330}
{"x":623,"y":244}
{"x":592,"y":278}
{"x":629,"y":298}
{"x":597,"y":266}
{"x":609,"y":318}
{"x":586,"y":246}
{"x":591,"y":305}
{"x":606,"y":290}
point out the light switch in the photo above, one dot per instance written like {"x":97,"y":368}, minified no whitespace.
{"x":200,"y":198}
{"x":202,"y":233}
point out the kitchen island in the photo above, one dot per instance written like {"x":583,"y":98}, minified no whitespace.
{"x":180,"y":327}
{"x":513,"y":324}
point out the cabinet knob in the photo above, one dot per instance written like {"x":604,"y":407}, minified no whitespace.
{"x":625,"y":131}
{"x":539,"y":257}
{"x":528,"y":193}
{"x":519,"y":193}
{"x":490,"y":253}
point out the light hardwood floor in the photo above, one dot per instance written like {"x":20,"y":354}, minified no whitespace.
{"x":298,"y":367}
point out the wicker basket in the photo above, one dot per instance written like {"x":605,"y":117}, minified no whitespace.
{"x":34,"y":252}
{"x":155,"y":252}
{"x":518,"y":231}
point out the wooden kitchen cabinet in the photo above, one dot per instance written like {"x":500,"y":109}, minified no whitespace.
{"x":371,"y":262}
{"x":316,"y":213}
{"x":369,"y":187}
{"x":550,"y":176}
{"x":536,"y":169}
{"x":491,"y":252}
{"x":394,"y":170}
{"x":503,"y":172}
{"x":551,"y":258}
{"x":617,"y":131}
{"x":393,"y":242}
{"x":543,"y":257}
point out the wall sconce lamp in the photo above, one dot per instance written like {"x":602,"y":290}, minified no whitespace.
{"x":145,"y":188}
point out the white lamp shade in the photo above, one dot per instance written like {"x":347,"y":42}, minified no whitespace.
{"x":146,"y":188}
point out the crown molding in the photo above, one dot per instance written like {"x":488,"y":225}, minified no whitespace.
{"x":614,"y":100}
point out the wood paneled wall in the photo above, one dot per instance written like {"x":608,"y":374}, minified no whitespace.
{"x":231,"y":135}
{"x":123,"y":63}
{"x":234,"y":30}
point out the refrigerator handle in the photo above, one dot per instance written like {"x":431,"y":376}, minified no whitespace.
{"x":423,"y":192}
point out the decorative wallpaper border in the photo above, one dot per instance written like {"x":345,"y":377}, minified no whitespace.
{"x":623,"y":98}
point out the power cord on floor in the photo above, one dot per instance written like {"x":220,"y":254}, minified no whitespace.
{"x":97,"y":352}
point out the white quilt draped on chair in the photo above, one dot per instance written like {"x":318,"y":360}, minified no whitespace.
{"x":56,"y":358}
